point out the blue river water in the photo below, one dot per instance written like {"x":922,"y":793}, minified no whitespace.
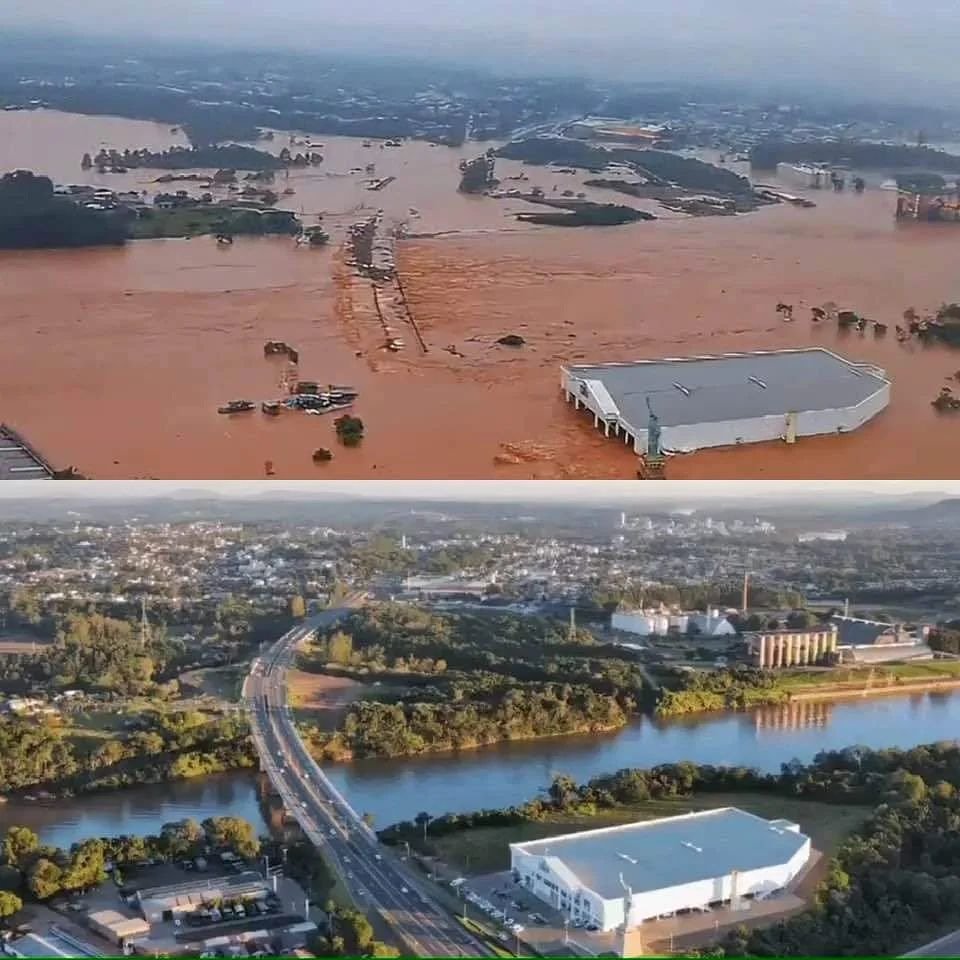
{"x":510,"y":773}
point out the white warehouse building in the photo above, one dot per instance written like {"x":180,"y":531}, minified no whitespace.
{"x":648,"y":869}
{"x":730,"y":399}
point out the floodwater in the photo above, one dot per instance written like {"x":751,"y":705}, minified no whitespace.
{"x":511,"y":773}
{"x":116,"y":359}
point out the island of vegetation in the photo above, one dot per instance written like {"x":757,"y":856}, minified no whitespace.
{"x":885,"y":818}
{"x":657,"y":167}
{"x":32,"y":216}
{"x":460,"y":681}
{"x":857,"y":153}
{"x":583,"y":213}
{"x":220,"y":157}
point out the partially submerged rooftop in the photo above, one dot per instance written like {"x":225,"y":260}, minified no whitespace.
{"x":18,"y":461}
{"x":656,"y":854}
{"x":733,"y":386}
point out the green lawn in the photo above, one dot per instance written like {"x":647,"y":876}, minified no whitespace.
{"x":925,"y":670}
{"x":484,"y":850}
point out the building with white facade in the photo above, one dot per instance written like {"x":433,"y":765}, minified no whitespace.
{"x":660,"y":623}
{"x":641,"y":871}
{"x":730,"y":399}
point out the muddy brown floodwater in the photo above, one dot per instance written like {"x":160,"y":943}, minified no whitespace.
{"x":115,"y":360}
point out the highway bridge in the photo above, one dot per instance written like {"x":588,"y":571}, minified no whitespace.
{"x":375,"y":878}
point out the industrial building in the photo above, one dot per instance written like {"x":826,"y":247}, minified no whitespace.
{"x":117,"y":928}
{"x":772,"y":649}
{"x":619,"y":877}
{"x":54,"y":942}
{"x":873,"y":641}
{"x":168,"y":903}
{"x":714,"y":401}
{"x":843,"y":640}
{"x":813,"y":176}
{"x":661,"y":623}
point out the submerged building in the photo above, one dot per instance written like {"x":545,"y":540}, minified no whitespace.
{"x":619,"y":877}
{"x":691,"y":403}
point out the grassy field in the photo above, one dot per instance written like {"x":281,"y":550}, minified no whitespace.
{"x":926,"y":670}
{"x":485,"y":850}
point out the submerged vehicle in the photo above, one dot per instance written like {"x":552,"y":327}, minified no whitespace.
{"x":237,"y":406}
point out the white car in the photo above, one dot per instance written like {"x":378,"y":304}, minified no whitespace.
{"x":377,"y":856}
{"x":404,"y":890}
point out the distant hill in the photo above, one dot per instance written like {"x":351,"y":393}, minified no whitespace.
{"x":944,"y":512}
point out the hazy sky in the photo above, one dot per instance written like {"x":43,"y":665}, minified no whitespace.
{"x":583,"y":491}
{"x":887,"y":47}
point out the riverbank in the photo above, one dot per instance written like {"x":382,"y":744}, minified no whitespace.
{"x":741,"y":689}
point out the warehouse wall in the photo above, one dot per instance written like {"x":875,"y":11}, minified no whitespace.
{"x":647,"y":906}
{"x":726,"y":433}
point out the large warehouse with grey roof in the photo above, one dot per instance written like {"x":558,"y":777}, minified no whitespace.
{"x":644,"y":870}
{"x":718,"y":401}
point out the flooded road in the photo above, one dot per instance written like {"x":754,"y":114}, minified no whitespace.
{"x":116,"y":359}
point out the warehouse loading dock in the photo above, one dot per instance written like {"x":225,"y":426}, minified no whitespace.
{"x":730,"y":399}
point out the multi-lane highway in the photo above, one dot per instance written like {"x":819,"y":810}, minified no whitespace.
{"x":376,"y":879}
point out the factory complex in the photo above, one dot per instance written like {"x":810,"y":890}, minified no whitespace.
{"x":620,"y":877}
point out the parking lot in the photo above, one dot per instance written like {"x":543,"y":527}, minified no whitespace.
{"x":523,"y":919}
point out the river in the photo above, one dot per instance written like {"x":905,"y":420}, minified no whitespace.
{"x":509,"y":773}
{"x":107,"y":346}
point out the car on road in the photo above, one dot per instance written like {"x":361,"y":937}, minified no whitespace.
{"x":404,"y":890}
{"x":377,"y":856}
{"x":592,"y":927}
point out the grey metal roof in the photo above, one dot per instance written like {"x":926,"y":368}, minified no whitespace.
{"x":720,"y":388}
{"x":669,"y":852}
{"x":17,"y":460}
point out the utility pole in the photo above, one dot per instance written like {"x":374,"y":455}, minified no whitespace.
{"x":572,"y":631}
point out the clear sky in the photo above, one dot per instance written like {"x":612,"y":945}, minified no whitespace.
{"x":581,"y":491}
{"x":895,"y":48}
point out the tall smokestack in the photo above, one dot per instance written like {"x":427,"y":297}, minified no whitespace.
{"x":572,"y":632}
{"x":846,"y":607}
{"x":745,"y":600}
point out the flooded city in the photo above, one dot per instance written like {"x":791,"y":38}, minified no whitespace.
{"x":119,"y":357}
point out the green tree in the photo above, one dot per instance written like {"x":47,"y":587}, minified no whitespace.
{"x":298,"y":607}
{"x":10,"y":904}
{"x":87,"y":866}
{"x":182,"y":838}
{"x":340,"y":647}
{"x":349,"y":430}
{"x":43,"y":879}
{"x":231,"y":833}
{"x":19,"y":844}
